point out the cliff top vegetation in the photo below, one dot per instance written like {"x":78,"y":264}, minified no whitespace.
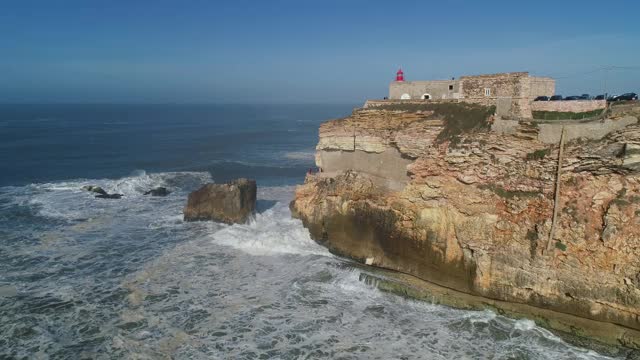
{"x":459,"y":118}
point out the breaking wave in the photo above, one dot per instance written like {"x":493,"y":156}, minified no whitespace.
{"x":127,"y":278}
{"x":270,"y":232}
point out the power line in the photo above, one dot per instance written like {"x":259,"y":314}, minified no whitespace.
{"x":593,"y":71}
{"x":603,"y":74}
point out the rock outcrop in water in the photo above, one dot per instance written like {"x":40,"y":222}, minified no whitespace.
{"x":421,"y":193}
{"x":95,"y":189}
{"x":102,"y":194}
{"x":230,"y":203}
{"x":109,"y":196}
{"x":159,"y":191}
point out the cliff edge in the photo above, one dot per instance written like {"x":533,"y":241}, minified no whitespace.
{"x":429,"y":191}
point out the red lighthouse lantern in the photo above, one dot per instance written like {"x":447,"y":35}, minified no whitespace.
{"x":400,"y":75}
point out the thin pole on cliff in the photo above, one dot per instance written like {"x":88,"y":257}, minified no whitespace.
{"x":556,"y":200}
{"x":354,"y":135}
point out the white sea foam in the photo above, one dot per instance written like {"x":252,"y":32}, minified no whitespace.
{"x":524,"y":325}
{"x":300,"y":155}
{"x":484,"y":316}
{"x":67,"y":200}
{"x":241,"y":291}
{"x":271,"y":232}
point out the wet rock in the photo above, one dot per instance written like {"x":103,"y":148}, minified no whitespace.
{"x":633,"y":355}
{"x":159,"y":191}
{"x":95,"y":189}
{"x":109,"y":196}
{"x":229,"y":203}
{"x":102,"y":194}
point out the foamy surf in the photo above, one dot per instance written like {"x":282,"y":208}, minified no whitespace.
{"x":300,"y":155}
{"x":130,"y":279}
{"x":270,"y":232}
{"x":68,"y":201}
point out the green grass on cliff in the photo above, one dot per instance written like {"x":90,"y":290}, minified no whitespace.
{"x":538,"y":154}
{"x":459,"y":118}
{"x":509,"y":194}
{"x":556,"y":115}
{"x":561,"y":246}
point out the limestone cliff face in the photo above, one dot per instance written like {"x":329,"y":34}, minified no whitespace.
{"x":473,"y":211}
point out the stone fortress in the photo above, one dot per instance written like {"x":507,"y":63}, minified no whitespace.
{"x":491,"y":86}
{"x":511,"y":93}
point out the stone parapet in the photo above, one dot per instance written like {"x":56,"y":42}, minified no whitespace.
{"x":574,"y":106}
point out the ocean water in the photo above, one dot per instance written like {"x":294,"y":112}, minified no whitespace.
{"x":86,"y":278}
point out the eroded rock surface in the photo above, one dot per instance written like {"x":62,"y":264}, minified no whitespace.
{"x":230,"y":203}
{"x":476,"y":214}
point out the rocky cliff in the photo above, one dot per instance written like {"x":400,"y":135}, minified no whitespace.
{"x":429,"y":191}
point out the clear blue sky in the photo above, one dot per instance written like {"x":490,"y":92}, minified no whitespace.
{"x":302,"y":51}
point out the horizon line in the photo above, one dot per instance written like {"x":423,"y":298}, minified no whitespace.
{"x":177,"y":103}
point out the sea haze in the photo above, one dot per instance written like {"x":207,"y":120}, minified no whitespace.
{"x":82,"y":277}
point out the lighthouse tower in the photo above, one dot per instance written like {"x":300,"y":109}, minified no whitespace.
{"x":399,"y":75}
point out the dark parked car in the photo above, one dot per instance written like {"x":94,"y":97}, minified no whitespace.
{"x":599,"y":97}
{"x":555,"y":98}
{"x":627,"y":96}
{"x":585,"y":97}
{"x":568,"y":98}
{"x":541,"y":98}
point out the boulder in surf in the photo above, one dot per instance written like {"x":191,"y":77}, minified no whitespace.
{"x":109,"y":196}
{"x":159,"y":191}
{"x":230,"y":203}
{"x":95,"y":189}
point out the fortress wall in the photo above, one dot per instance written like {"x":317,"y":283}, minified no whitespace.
{"x":501,"y":85}
{"x":510,"y":92}
{"x":513,"y":86}
{"x":541,"y":86}
{"x":438,"y":89}
{"x":575,"y":106}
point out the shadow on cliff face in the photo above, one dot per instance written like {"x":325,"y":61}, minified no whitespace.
{"x":366,"y":232}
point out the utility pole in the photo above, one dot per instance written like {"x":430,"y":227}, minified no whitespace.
{"x":606,"y":73}
{"x":556,"y":199}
